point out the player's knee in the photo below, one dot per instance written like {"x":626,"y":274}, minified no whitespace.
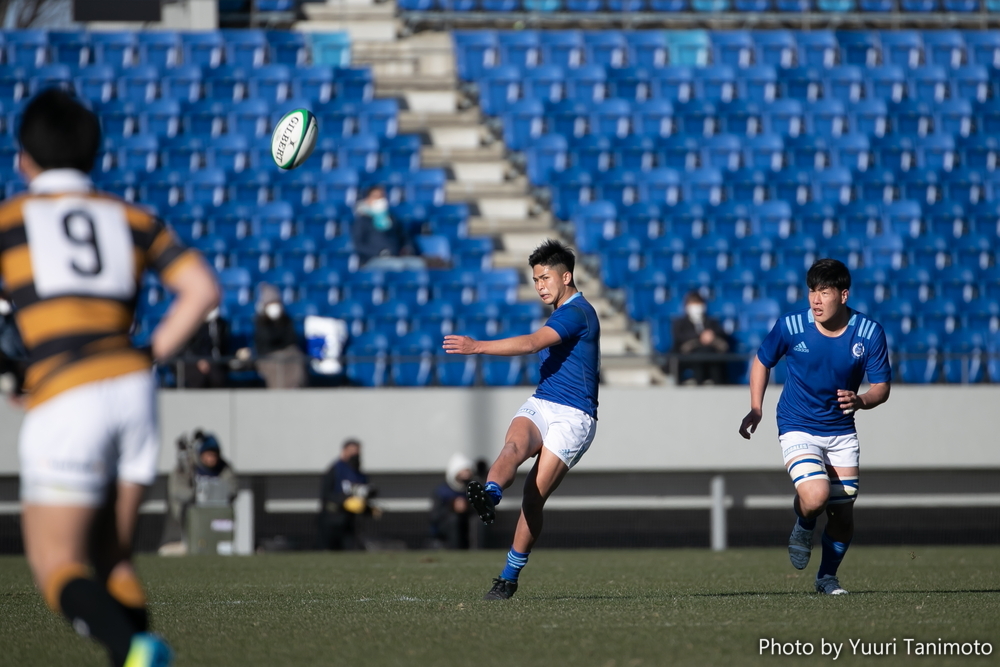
{"x":54,"y":580}
{"x":843,"y":490}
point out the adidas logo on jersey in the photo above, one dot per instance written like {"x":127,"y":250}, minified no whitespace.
{"x":801,"y":347}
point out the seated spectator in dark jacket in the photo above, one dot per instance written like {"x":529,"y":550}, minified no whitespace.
{"x":380,"y":241}
{"x":697,"y":334}
{"x":279,"y":360}
{"x":205,"y":365}
{"x":450,"y":509}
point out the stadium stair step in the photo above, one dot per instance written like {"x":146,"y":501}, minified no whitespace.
{"x":364,"y":21}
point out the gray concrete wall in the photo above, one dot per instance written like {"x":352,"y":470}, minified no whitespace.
{"x":666,"y":428}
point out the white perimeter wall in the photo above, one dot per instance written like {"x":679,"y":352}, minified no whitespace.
{"x":667,"y":428}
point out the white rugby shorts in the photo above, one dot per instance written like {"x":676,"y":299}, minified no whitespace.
{"x":76,"y":444}
{"x":839,"y":451}
{"x":566,"y":432}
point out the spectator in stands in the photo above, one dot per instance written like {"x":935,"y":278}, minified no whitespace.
{"x":450,"y":510}
{"x":697,"y":334}
{"x":379,"y":241}
{"x":279,"y":359}
{"x":205,"y":365}
{"x":344,"y":496}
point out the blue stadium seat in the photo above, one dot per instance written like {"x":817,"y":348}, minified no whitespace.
{"x":964,"y":186}
{"x":982,"y":47}
{"x":563,"y":48}
{"x":875,"y":185}
{"x":367,"y":359}
{"x":356,"y":84}
{"x":619,"y":186}
{"x":776,"y":48}
{"x":226,"y":83}
{"x":902,"y":47}
{"x":635,"y":152}
{"x":696,"y":117}
{"x":758,"y":84}
{"x":884,"y":251}
{"x":523,"y":122}
{"x":401,"y":152}
{"x":587,"y":83}
{"x":716,"y":83}
{"x":499,"y":88}
{"x":646,"y":48}
{"x":360,"y":153}
{"x":96,"y":82}
{"x":159,"y":48}
{"x":594,"y":223}
{"x":630,"y":83}
{"x":605,"y":48}
{"x":117,"y":49}
{"x":138,"y":152}
{"x":686,"y":47}
{"x":673,"y":82}
{"x":51,"y":76}
{"x":591,"y":152}
{"x":413,"y":359}
{"x":544,"y":83}
{"x":740,"y":117}
{"x":918,"y":351}
{"x":954,"y":117}
{"x":722,"y":151}
{"x":203,"y":48}
{"x":287,"y":47}
{"x":26,"y":48}
{"x":845,"y":83}
{"x":246,"y":48}
{"x":331,"y":48}
{"x":970,"y":82}
{"x":802,"y":83}
{"x":963,"y":359}
{"x":929,"y":83}
{"x":732,"y":47}
{"x":886,"y":82}
{"x":475,"y":52}
{"x":519,"y":48}
{"x":652,"y":118}
{"x":784,"y":117}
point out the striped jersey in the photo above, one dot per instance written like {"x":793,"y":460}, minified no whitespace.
{"x":71,"y":261}
{"x":819,"y":365}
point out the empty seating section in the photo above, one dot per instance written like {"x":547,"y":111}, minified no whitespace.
{"x":727,"y":162}
{"x":187,"y":118}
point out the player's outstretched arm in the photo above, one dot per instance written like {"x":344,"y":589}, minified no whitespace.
{"x":197,"y":293}
{"x":876,"y":395}
{"x":759,"y":376}
{"x":505,"y":347}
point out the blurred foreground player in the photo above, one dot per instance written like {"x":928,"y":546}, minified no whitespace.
{"x":71,"y":260}
{"x":830,"y":348}
{"x":558,"y":423}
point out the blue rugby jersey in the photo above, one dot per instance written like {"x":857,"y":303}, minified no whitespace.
{"x":819,"y":365}
{"x":571,"y":369}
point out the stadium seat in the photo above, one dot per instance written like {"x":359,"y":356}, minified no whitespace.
{"x":115,"y":49}
{"x":26,"y":48}
{"x":246,"y":48}
{"x":286,"y":47}
{"x":367,"y":359}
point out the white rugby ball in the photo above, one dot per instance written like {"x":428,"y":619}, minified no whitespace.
{"x":294,"y":138}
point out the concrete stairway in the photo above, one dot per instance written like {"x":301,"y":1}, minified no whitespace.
{"x":420,"y":70}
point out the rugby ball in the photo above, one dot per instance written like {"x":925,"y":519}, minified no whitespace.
{"x":294,"y":138}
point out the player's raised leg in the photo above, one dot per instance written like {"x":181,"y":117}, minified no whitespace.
{"x":55,"y":542}
{"x":544,"y":478}
{"x":812,"y":489}
{"x":839,"y":528}
{"x":522,"y":441}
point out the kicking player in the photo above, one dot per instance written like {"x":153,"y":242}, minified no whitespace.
{"x":71,"y":259}
{"x":558,"y":423}
{"x":829,"y":348}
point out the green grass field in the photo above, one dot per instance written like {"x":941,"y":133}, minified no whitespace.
{"x":579,"y":608}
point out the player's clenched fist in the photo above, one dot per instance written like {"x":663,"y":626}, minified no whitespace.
{"x":459,"y":345}
{"x":750,"y":423}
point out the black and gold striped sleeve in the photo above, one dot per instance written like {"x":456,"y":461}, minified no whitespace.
{"x":157,"y":246}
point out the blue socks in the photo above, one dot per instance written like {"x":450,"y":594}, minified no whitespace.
{"x":515,"y":561}
{"x":808,"y":524}
{"x":833,"y":554}
{"x":495,"y":493}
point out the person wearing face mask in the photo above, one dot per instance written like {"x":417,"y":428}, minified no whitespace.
{"x":695,"y":333}
{"x":450,"y":510}
{"x":204,"y":357}
{"x":380,"y":241}
{"x":279,"y":360}
{"x":344,"y":495}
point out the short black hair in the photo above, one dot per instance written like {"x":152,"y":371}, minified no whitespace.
{"x":349,"y":442}
{"x":59,"y":132}
{"x":828,"y":273}
{"x":553,"y":253}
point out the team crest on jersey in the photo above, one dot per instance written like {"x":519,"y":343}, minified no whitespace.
{"x":858,"y":350}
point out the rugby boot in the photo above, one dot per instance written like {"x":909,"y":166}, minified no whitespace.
{"x":481,"y":502}
{"x":149,"y":650}
{"x":829,"y":585}
{"x":800,"y":546}
{"x":502,"y":590}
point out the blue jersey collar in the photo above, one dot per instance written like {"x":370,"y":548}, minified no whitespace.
{"x":571,"y":298}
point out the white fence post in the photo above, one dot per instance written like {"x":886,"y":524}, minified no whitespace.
{"x":243,"y":529}
{"x":718,"y":513}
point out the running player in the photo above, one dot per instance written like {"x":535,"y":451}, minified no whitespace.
{"x":71,"y":260}
{"x":829,"y":348}
{"x":558,"y":423}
